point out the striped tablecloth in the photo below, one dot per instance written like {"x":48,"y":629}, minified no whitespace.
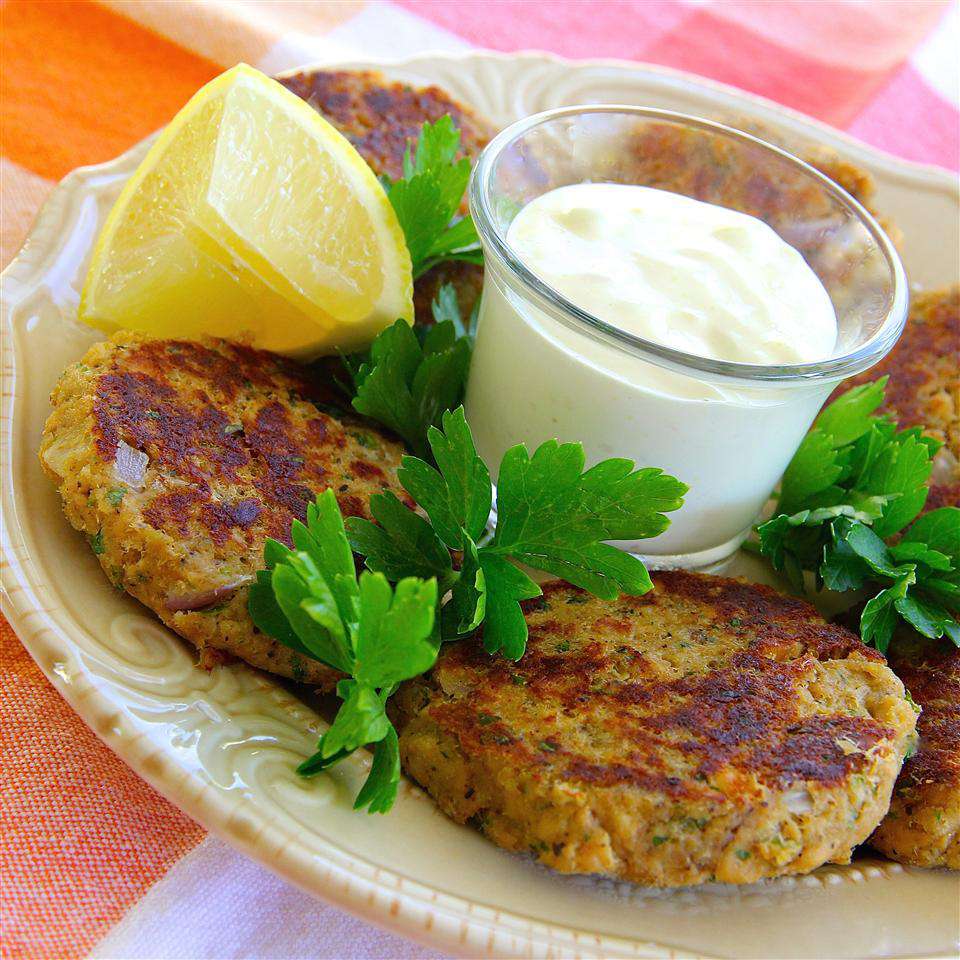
{"x":94,"y":862}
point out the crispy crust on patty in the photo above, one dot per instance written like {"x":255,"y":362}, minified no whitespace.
{"x":708,"y":730}
{"x":718,"y":171}
{"x":924,"y":385}
{"x":236,"y":450}
{"x":380,"y":118}
{"x":943,"y":494}
{"x":857,"y":182}
{"x":923,"y":825}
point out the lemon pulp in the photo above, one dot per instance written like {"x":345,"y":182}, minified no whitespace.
{"x":251,"y":217}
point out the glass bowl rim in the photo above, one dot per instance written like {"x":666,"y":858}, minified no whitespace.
{"x":555,"y":304}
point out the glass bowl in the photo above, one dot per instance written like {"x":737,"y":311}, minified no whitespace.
{"x":545,"y":368}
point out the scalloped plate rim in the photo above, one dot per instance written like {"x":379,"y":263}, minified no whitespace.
{"x":340,"y":885}
{"x":897,"y":164}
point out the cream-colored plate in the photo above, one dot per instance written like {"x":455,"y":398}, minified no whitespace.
{"x":222,"y":745}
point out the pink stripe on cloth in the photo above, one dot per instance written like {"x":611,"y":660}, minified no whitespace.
{"x":856,"y":35}
{"x":909,"y":119}
{"x":727,"y":51}
{"x":837,"y":60}
{"x":571,"y":29}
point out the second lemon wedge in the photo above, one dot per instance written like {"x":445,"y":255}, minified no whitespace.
{"x":251,"y":217}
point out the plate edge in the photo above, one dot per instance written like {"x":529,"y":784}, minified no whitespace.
{"x":19,"y":271}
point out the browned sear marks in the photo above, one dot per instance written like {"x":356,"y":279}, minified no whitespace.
{"x":236,"y":443}
{"x":381,"y":119}
{"x":710,"y":728}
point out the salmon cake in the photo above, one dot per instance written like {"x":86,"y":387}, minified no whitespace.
{"x":381,"y":118}
{"x":709,"y":730}
{"x":178,"y":459}
{"x":924,"y":371}
{"x":923,"y":825}
{"x":716,"y":170}
{"x":855,"y":180}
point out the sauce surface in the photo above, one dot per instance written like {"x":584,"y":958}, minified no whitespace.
{"x":690,"y":275}
{"x":693,"y":276}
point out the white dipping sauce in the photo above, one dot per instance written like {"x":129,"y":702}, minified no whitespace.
{"x":690,"y":275}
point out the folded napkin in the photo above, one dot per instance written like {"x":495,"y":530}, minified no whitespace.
{"x":94,"y":861}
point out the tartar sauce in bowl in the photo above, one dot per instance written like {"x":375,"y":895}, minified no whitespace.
{"x":686,"y":274}
{"x":676,"y":332}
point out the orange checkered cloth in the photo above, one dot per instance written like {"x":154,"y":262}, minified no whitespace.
{"x":93,"y":859}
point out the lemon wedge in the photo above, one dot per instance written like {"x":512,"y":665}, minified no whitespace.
{"x":251,"y":218}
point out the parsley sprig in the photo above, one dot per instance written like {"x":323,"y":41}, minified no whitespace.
{"x":552,"y":515}
{"x":427,"y":197}
{"x":855,"y":483}
{"x":410,"y":376}
{"x":310,"y":599}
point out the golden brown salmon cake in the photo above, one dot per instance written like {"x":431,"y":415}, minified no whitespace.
{"x":178,"y":459}
{"x":924,"y":371}
{"x":856,"y":181}
{"x":734,"y":175}
{"x":710,"y":730}
{"x":945,"y":494}
{"x":923,"y":825}
{"x":380,"y":118}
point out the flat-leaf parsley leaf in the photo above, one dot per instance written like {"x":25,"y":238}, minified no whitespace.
{"x":428,"y":195}
{"x":551,"y":515}
{"x":310,"y":599}
{"x":411,"y":376}
{"x":856,"y":482}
